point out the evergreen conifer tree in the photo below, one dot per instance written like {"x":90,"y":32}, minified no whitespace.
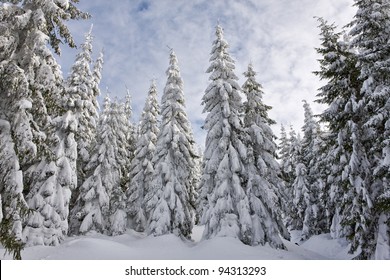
{"x":97,"y":76}
{"x":50,"y":176}
{"x":226,"y":210}
{"x":265,"y":186}
{"x":119,"y":124}
{"x":301,"y":195}
{"x":81,"y":97}
{"x":141,"y":169}
{"x":41,"y":128}
{"x":17,"y":110}
{"x":35,"y":26}
{"x":91,"y":211}
{"x":195,"y":198}
{"x":357,"y":95}
{"x":173,"y":162}
{"x":12,"y":203}
{"x":52,"y":181}
{"x":314,"y":211}
{"x":283,"y":148}
{"x":341,"y":93}
{"x":292,"y":220}
{"x":101,"y":204}
{"x":370,"y":36}
{"x":130,"y":139}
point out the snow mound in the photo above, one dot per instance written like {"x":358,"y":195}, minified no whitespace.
{"x":331,"y":248}
{"x":136,"y":246}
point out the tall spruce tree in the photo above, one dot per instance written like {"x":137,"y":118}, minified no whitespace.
{"x":119,"y":124}
{"x":356,"y":92}
{"x":101,"y":203}
{"x":370,"y":36}
{"x":53,"y":178}
{"x":173,"y":161}
{"x":50,"y":176}
{"x":265,"y":186}
{"x":283,"y":148}
{"x":292,"y":220}
{"x":36,"y":114}
{"x":226,"y":206}
{"x":12,"y":203}
{"x":36,"y":25}
{"x":97,"y":76}
{"x":141,"y":169}
{"x":130,"y":139}
{"x":91,"y":210}
{"x":82,"y":100}
{"x":16,"y":139}
{"x":55,"y":13}
{"x":301,"y":196}
{"x":314,"y":212}
{"x":195,"y":198}
{"x":338,"y":66}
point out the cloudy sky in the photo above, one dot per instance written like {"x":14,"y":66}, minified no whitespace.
{"x":277,"y":36}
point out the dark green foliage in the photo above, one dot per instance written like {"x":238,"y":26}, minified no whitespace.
{"x":11,"y":244}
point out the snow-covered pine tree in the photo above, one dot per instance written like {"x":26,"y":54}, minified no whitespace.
{"x":342,"y":94}
{"x":226,"y":210}
{"x":370,"y":36}
{"x":28,"y":27}
{"x":295,"y":151}
{"x":14,"y":83}
{"x":173,"y":162}
{"x":301,"y":196}
{"x":100,"y":205}
{"x":129,"y":116}
{"x":196,"y":198}
{"x":283,"y":147}
{"x":81,"y":98}
{"x":52,"y":175}
{"x":51,"y":184}
{"x":314,"y":212}
{"x":34,"y":24}
{"x":117,"y":211}
{"x":97,"y":76}
{"x":358,"y":212}
{"x":16,"y":135}
{"x":317,"y":219}
{"x":55,"y":13}
{"x":15,"y":107}
{"x":12,"y":203}
{"x":45,"y":89}
{"x":130,"y":140}
{"x":49,"y":176}
{"x":321,"y":173}
{"x":292,"y":220}
{"x":92,"y":205}
{"x":141,"y":169}
{"x":119,"y":124}
{"x":35,"y":114}
{"x":310,"y":131}
{"x":283,"y":152}
{"x":265,"y":186}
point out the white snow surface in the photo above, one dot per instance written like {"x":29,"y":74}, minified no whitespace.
{"x":137,"y":246}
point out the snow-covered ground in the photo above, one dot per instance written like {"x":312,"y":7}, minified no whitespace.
{"x":136,"y":246}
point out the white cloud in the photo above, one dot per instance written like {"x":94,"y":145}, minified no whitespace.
{"x":277,"y":36}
